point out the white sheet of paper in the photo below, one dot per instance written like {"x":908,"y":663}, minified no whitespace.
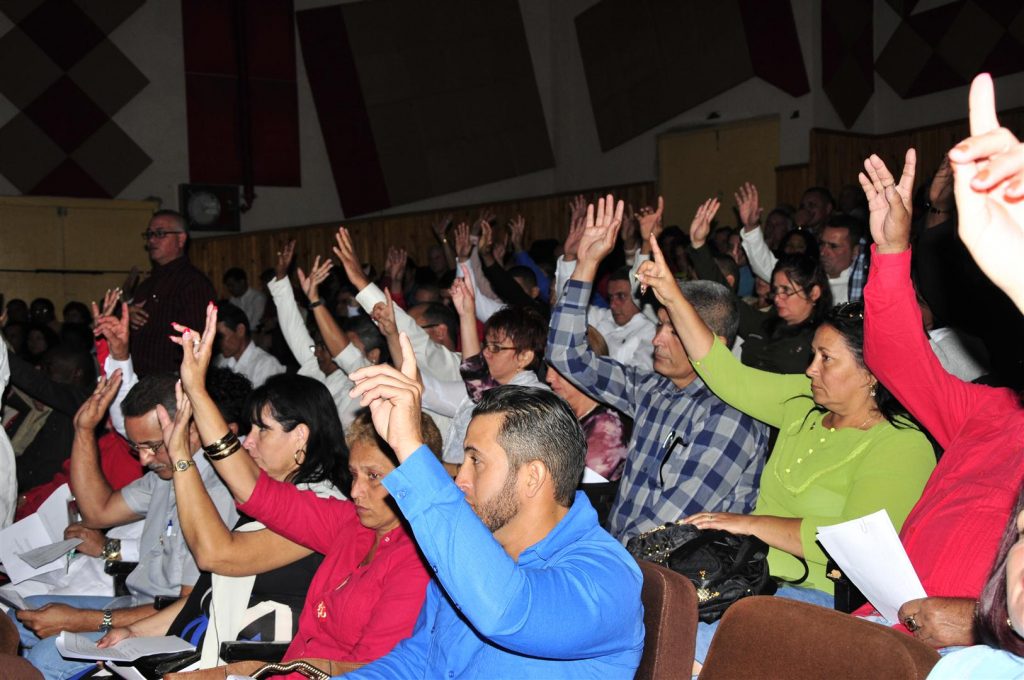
{"x":12,"y":598}
{"x":39,"y":529}
{"x":45,"y":554}
{"x":76,"y":646}
{"x":591,"y":477}
{"x":870,"y":554}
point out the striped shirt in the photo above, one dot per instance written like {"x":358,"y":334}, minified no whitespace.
{"x":689,"y":451}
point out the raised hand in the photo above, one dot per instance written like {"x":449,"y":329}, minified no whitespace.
{"x":749,"y":206}
{"x":486,"y":242}
{"x":394,"y":399}
{"x":198,"y":351}
{"x":700,"y":227}
{"x":110,"y":300}
{"x":346,"y":254}
{"x":486,"y":215}
{"x":516,"y":229}
{"x":988,"y":172}
{"x":318,"y":273}
{"x":176,"y":430}
{"x":628,"y":232}
{"x":599,"y":235}
{"x":463,"y":244}
{"x":889,"y":203}
{"x":384,"y":314}
{"x":576,"y":226}
{"x":394,"y":266}
{"x":657,"y":275}
{"x":94,"y":409}
{"x":463,"y":295}
{"x":940,"y":193}
{"x":650,"y":223}
{"x":500,"y":248}
{"x":284,"y":260}
{"x":440,"y":226}
{"x":115,"y":330}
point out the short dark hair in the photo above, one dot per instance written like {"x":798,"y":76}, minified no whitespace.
{"x":992,"y":623}
{"x":716,"y":306}
{"x":296,"y":400}
{"x":368,"y":333}
{"x":854,"y":227}
{"x":77,"y":307}
{"x":232,"y":316}
{"x":523,"y":272}
{"x":539,"y":425}
{"x":524,"y":327}
{"x":229,"y":390}
{"x":173,"y":214}
{"x":71,"y":365}
{"x":153,"y":389}
{"x":235,"y":274}
{"x":437,"y":313}
{"x":825,"y":194}
{"x":620,"y":274}
{"x":728,"y":267}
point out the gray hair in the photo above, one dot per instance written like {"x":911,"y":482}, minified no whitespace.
{"x":716,"y":306}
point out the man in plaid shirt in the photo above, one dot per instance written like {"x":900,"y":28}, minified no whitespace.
{"x":689,"y":451}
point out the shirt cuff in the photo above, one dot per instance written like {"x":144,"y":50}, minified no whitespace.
{"x":577,"y":294}
{"x":417,"y":482}
{"x":280,"y":287}
{"x":351,"y":359}
{"x":889,"y":265}
{"x":370,"y":296}
{"x":752,"y":236}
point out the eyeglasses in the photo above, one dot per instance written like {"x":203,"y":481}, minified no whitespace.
{"x":428,"y":326}
{"x":784,"y":291}
{"x":151,"y":447}
{"x":494,"y":347}
{"x":158,"y":234}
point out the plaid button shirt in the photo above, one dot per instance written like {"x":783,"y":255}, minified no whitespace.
{"x":689,"y":452}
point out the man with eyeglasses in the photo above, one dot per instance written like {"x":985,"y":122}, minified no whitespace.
{"x":175,"y":291}
{"x":166,"y":569}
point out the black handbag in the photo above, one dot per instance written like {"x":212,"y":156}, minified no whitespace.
{"x":723,"y":567}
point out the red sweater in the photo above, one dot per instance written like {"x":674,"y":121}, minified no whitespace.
{"x":953,"y":532}
{"x":352,"y":612}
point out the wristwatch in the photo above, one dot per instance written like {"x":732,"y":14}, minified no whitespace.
{"x":183,"y":465}
{"x":112,"y":549}
{"x":108,"y":621}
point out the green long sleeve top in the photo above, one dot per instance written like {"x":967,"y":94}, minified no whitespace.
{"x":819,"y":474}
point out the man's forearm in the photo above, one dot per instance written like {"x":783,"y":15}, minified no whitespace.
{"x":330,"y":330}
{"x":585,"y":271}
{"x":91,"y":488}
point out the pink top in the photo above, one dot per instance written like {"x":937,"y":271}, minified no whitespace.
{"x":953,"y":532}
{"x":352,"y":612}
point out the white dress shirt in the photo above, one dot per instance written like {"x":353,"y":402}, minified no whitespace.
{"x":255,"y":364}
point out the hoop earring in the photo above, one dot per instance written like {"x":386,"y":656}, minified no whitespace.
{"x":295,"y":456}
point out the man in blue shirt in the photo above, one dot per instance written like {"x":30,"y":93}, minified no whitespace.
{"x":528,"y":585}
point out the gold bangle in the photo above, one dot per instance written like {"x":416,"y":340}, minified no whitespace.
{"x":221,"y":444}
{"x":218,"y":455}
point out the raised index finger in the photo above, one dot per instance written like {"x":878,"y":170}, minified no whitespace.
{"x":982,"y":105}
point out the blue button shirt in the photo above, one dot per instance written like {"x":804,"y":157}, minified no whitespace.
{"x":569,"y":608}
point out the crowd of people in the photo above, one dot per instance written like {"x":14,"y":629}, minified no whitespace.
{"x":433,"y":471}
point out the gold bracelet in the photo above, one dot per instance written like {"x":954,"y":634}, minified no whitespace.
{"x":222,"y":443}
{"x":222,"y":455}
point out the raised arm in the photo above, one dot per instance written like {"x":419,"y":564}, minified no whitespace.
{"x":650,"y":224}
{"x":100,"y":505}
{"x":464,"y":298}
{"x":239,"y":472}
{"x":989,"y":187}
{"x":383,"y":315}
{"x":288,"y":317}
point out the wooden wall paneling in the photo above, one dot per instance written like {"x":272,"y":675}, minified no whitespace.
{"x":546,"y":217}
{"x":790,"y":183}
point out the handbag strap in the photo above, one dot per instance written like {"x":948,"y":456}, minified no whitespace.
{"x":303,"y":668}
{"x":796,"y":582}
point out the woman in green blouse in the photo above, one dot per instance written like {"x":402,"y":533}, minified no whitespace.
{"x":844,"y":450}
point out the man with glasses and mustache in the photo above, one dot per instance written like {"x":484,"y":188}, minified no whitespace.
{"x":166,"y":568}
{"x":175,"y":291}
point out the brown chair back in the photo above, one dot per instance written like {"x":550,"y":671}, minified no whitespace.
{"x":13,"y":667}
{"x":670,"y":620}
{"x":772,"y":637}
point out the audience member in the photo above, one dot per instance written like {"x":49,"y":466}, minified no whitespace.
{"x":249,"y":300}
{"x":689,"y":451}
{"x":532,"y":586}
{"x":845,"y":448}
{"x":237,"y":350}
{"x":174,"y":292}
{"x":8,"y":473}
{"x":166,"y":568}
{"x":76,"y":313}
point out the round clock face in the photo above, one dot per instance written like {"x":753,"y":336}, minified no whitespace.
{"x":203,"y":208}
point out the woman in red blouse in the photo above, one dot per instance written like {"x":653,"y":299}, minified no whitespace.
{"x":368,"y":591}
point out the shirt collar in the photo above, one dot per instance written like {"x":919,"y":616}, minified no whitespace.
{"x":579,"y":521}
